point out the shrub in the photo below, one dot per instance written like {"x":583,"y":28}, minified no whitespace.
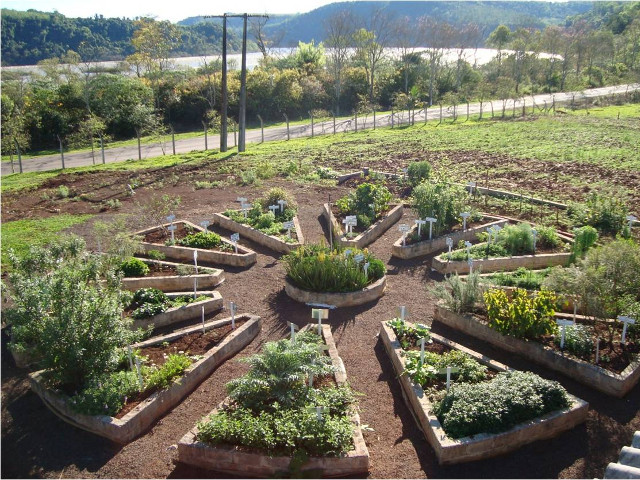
{"x":577,"y":340}
{"x":359,"y":202}
{"x":173,"y":367}
{"x":417,"y":172}
{"x":272,"y":196}
{"x":498,"y":405}
{"x":134,"y":267}
{"x":318,"y":269}
{"x":523,"y":316}
{"x":443,"y":201}
{"x":459,"y":296}
{"x":547,"y":238}
{"x":106,"y":395}
{"x":585,"y":238}
{"x":424,"y":374}
{"x":156,"y":255}
{"x":248,"y":177}
{"x":605,"y":213}
{"x":62,"y":191}
{"x":517,"y":239}
{"x":148,"y":302}
{"x":265,"y":221}
{"x":201,"y":240}
{"x":521,"y":278}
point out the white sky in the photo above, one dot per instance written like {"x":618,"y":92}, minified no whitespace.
{"x":162,"y":9}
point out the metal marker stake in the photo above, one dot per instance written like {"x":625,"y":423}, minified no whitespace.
{"x":232,"y":309}
{"x":203,"y":330}
{"x":403,"y":311}
{"x":130,"y":356}
{"x":422,"y":351}
{"x":140,"y":381}
{"x":448,"y":378}
{"x":195,"y":260}
{"x":597,"y":350}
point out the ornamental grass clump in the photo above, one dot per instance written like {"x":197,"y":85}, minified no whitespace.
{"x":316,"y":268}
{"x":498,"y":405}
{"x":273,"y":407}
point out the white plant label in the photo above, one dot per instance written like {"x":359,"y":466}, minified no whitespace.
{"x":241,"y":199}
{"x":293,"y":328}
{"x":282,"y":203}
{"x":235,"y":238}
{"x":171,"y":218}
{"x":233,"y":309}
{"x":288,"y":226}
{"x":195,"y":260}
{"x":464,"y":216}
{"x":205,"y":224}
{"x":273,"y":208}
{"x":626,"y":321}
{"x":420,"y":223}
{"x":365,"y":267}
{"x":449,"y":242}
{"x":431,"y":221}
{"x":319,"y":314}
{"x":631,"y":219}
{"x":203,"y":331}
{"x":564,"y":324}
{"x":172,"y":229}
{"x":358,"y":258}
{"x":404,"y":229}
{"x":468,"y":247}
{"x":422,"y":351}
{"x":470,"y":263}
{"x":403,"y":312}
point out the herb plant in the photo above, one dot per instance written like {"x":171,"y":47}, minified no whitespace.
{"x":134,"y":267}
{"x":443,"y":201}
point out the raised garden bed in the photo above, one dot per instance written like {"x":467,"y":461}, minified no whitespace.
{"x":369,"y":235}
{"x":140,"y":418}
{"x":349,"y":299}
{"x":164,"y":276}
{"x":279,"y":244}
{"x":247,"y":463}
{"x":180,"y":314}
{"x":154,"y":238}
{"x":483,"y":445}
{"x":595,"y":376}
{"x":427,"y":247}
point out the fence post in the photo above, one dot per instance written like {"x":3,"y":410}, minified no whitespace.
{"x":392,"y":119}
{"x":311,"y":116}
{"x":102,"y":149}
{"x":261,"y":128}
{"x":173,"y":140}
{"x":287,"y":120}
{"x":334,"y":122}
{"x":61,"y":150}
{"x":19,"y":154}
{"x":206,"y":144}
{"x":374,"y":119}
{"x":139,"y":149}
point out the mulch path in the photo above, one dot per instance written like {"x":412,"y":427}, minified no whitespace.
{"x":35,"y":443}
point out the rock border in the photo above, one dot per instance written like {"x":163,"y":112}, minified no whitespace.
{"x":427,"y":247}
{"x":484,"y":445}
{"x":138,"y":420}
{"x":230,"y":460}
{"x":183,"y":313}
{"x":370,"y":234}
{"x":244,"y":258}
{"x":488,"y":265}
{"x":269,"y":241}
{"x":174,"y":283}
{"x":611,"y":383}
{"x":348,"y":299}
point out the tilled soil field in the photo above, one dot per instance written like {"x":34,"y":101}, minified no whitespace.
{"x":35,"y":443}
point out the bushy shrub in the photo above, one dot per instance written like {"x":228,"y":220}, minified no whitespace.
{"x":442,"y":201}
{"x":585,"y":237}
{"x":265,"y":221}
{"x":148,"y":302}
{"x":161,"y":377}
{"x":201,"y":240}
{"x":577,"y":340}
{"x":547,"y":238}
{"x":517,"y":239}
{"x":272,"y":196}
{"x":156,"y":255}
{"x":521,"y":278}
{"x":318,"y":269}
{"x":498,"y":405}
{"x":417,"y":172}
{"x":106,"y":395}
{"x":605,"y":213}
{"x":467,"y":369}
{"x":134,"y":267}
{"x":523,"y":316}
{"x":459,"y":296}
{"x":360,"y":202}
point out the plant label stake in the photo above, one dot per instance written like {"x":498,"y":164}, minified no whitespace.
{"x":139,"y":374}
{"x":233,"y":308}
{"x":235,"y":238}
{"x":448,"y":371}
{"x":470,"y":263}
{"x":318,"y":411}
{"x":626,"y":321}
{"x":171,"y":218}
{"x":365,"y":267}
{"x":245,"y":209}
{"x":311,"y":380}
{"x":464,"y":216}
{"x":350,"y":221}
{"x":358,"y":258}
{"x":241,"y":200}
{"x":420,"y":223}
{"x":203,"y":330}
{"x":404,"y":229}
{"x":282,"y":203}
{"x":403,"y":312}
{"x":631,"y":219}
{"x":273,"y":209}
{"x":172,"y":228}
{"x":347,"y":252}
{"x":467,"y":244}
{"x":564,"y":324}
{"x":431,"y":221}
{"x":449,"y":242}
{"x":319,"y":314}
{"x":195,"y":260}
{"x":422,"y":351}
{"x":471,"y":185}
{"x":205,"y":224}
{"x":597,"y":350}
{"x":130,"y":356}
{"x":293,"y":327}
{"x":288,"y":226}
{"x":535,"y":238}
{"x":195,"y":287}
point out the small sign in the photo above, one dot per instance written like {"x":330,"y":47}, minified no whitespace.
{"x":404,"y":229}
{"x":195,"y":259}
{"x":403,"y":312}
{"x":626,"y":321}
{"x":631,"y":219}
{"x":205,"y":224}
{"x":347,"y":252}
{"x":232,"y":309}
{"x":172,"y":228}
{"x":203,"y":329}
{"x":282,"y":203}
{"x":420,"y":223}
{"x":365,"y":267}
{"x":358,"y":258}
{"x":320,"y":314}
{"x":564,"y":324}
{"x":288,"y":225}
{"x":241,"y":199}
{"x":464,"y":216}
{"x":273,"y":208}
{"x":293,"y":328}
{"x":235,"y":238}
{"x":171,"y":218}
{"x":431,"y":221}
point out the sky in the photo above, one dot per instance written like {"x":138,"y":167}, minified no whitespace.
{"x":162,"y":10}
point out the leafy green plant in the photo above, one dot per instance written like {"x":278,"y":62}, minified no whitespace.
{"x":174,"y":367}
{"x":521,"y":278}
{"x":134,"y":267}
{"x":577,"y":340}
{"x":459,"y":296}
{"x":409,"y":334}
{"x":107,"y":394}
{"x":517,"y":239}
{"x":318,"y":269}
{"x":148,"y":302}
{"x":417,"y":172}
{"x":248,"y":177}
{"x":443,"y":201}
{"x":547,"y":238}
{"x":498,"y":405}
{"x":62,"y":191}
{"x":156,"y":255}
{"x":585,"y":237}
{"x":522,"y":316}
{"x":368,"y":200}
{"x":466,"y":369}
{"x":605,"y":213}
{"x":201,"y":240}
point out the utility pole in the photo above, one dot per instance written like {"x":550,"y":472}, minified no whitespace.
{"x":243,"y":82}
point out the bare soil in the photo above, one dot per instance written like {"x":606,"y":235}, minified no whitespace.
{"x":36,"y":443}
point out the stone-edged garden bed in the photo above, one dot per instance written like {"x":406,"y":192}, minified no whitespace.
{"x":594,"y":376}
{"x":348,"y":299}
{"x":369,"y":235}
{"x":427,"y":247}
{"x":244,"y":258}
{"x":190,"y":311}
{"x":123,"y":430}
{"x":255,"y":235}
{"x":479,"y":446}
{"x":172,"y":281}
{"x":246,"y":463}
{"x":486,"y":265}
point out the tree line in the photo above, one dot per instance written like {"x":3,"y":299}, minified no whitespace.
{"x":351,"y":71}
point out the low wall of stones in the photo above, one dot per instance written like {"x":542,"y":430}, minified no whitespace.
{"x":123,"y":430}
{"x":487,"y":265}
{"x":369,"y":235}
{"x":174,"y":283}
{"x":180,"y":314}
{"x":611,"y":383}
{"x":348,"y":299}
{"x":477,"y":447}
{"x":269,"y":241}
{"x":229,"y":460}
